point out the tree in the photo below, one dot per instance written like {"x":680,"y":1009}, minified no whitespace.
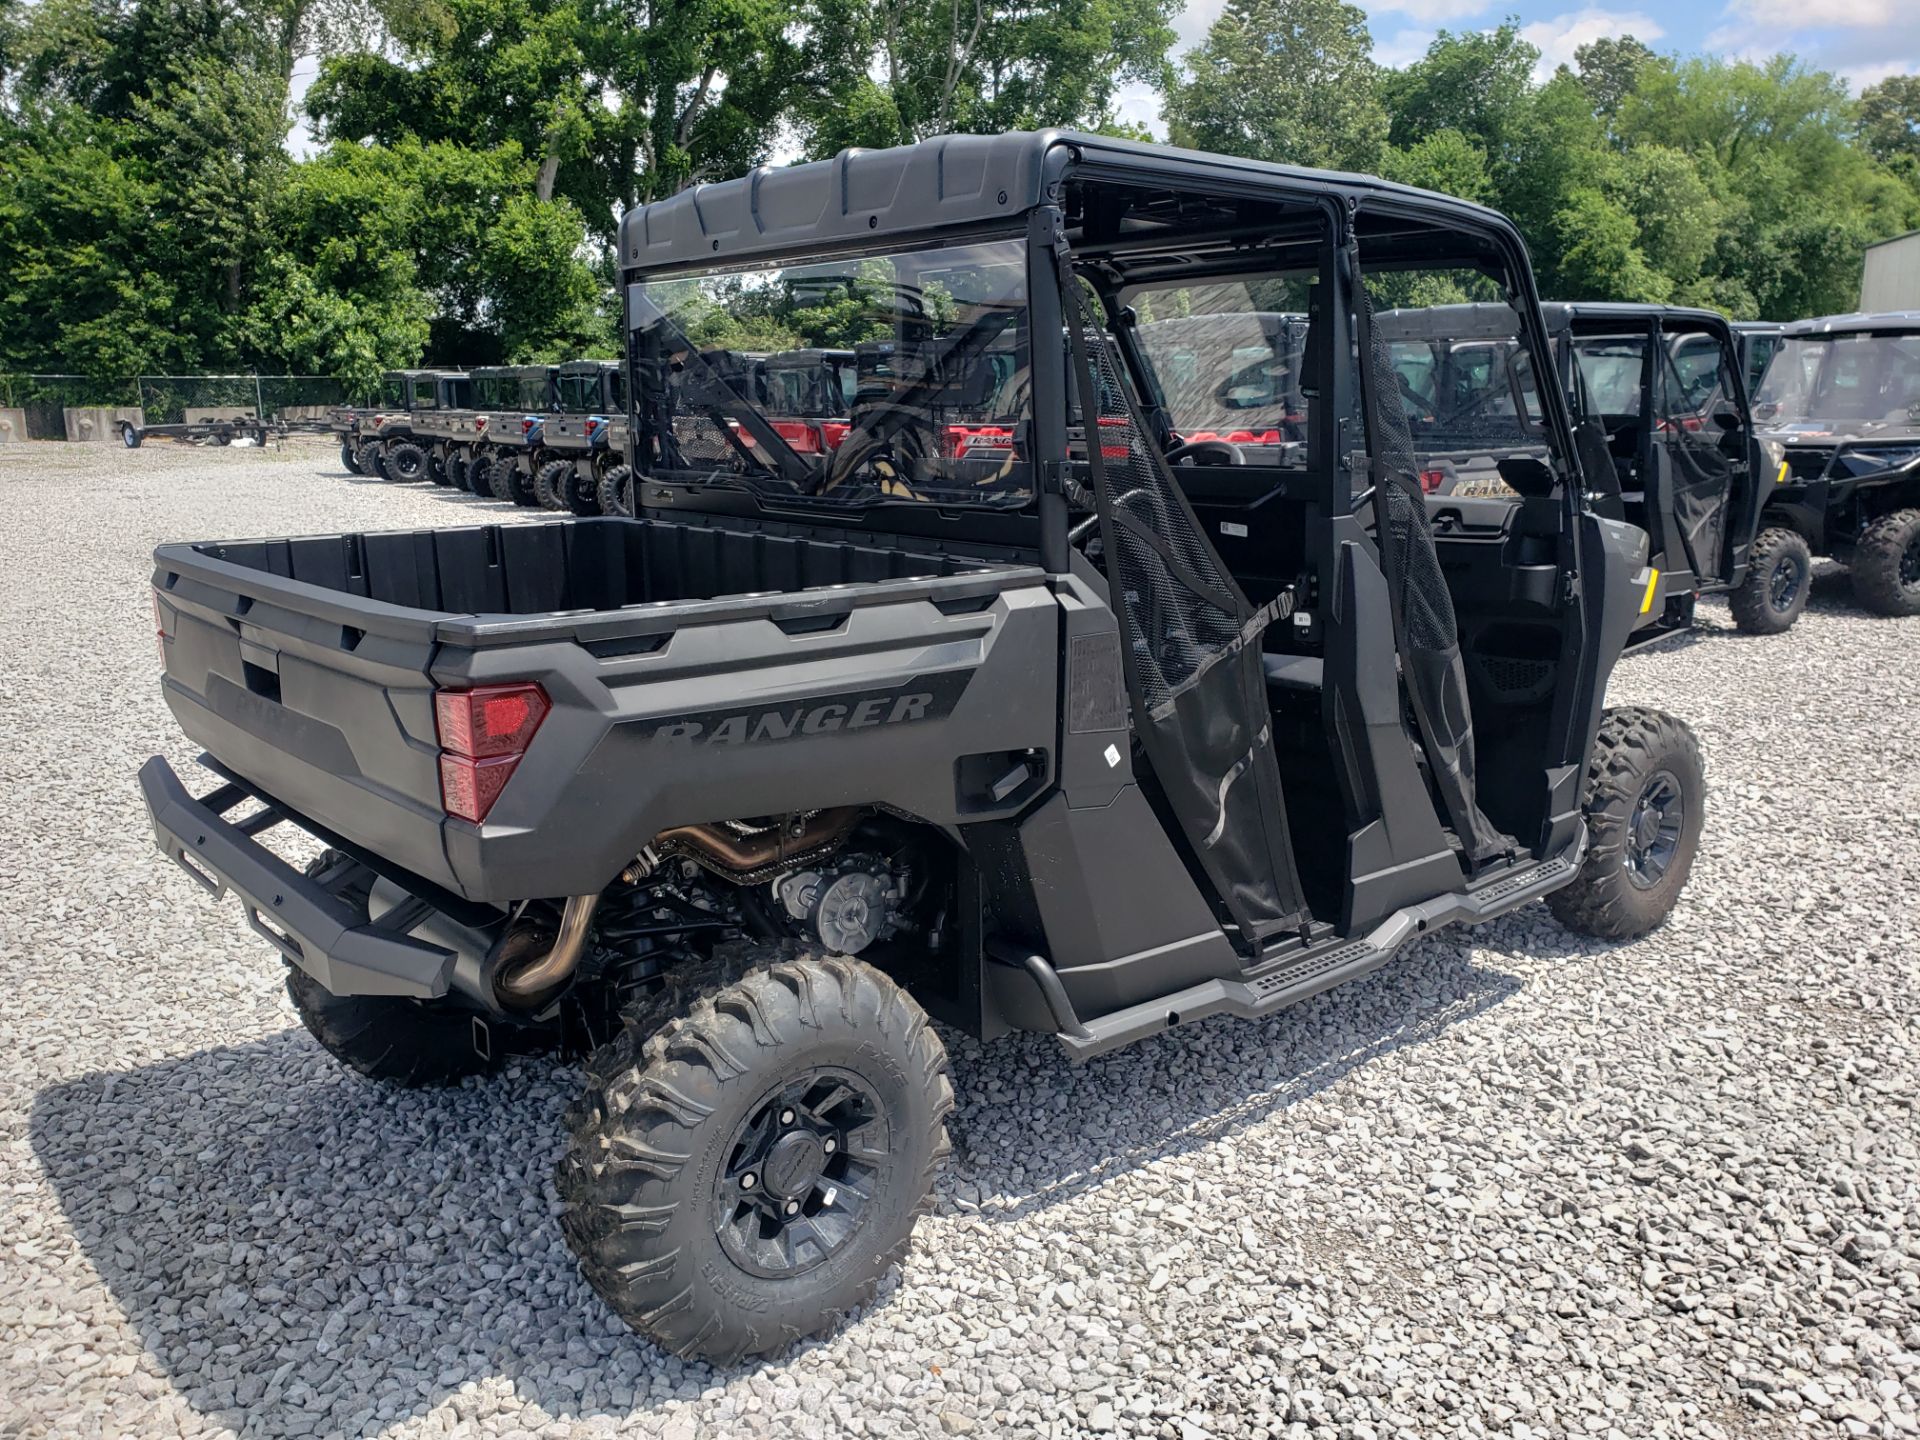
{"x":1446,"y":161}
{"x":1609,"y":70}
{"x":887,"y":72}
{"x":1285,"y":80}
{"x":1890,"y":120}
{"x":1479,"y":83}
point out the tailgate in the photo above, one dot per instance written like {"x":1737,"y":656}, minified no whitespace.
{"x":319,"y":696}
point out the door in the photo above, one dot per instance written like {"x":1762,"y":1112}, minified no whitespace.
{"x":1704,"y":437}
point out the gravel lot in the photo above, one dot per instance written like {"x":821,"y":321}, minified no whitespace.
{"x":1519,"y":1184}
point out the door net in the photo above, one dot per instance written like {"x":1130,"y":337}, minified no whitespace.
{"x":1426,"y":627}
{"x":1191,"y":648}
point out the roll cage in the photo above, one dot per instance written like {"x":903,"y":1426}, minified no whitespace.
{"x":1258,"y":598}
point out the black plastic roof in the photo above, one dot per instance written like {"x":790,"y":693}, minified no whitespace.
{"x":1895,"y":320}
{"x":942,"y":183}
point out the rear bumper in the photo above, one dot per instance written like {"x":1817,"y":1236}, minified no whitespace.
{"x":312,"y":928}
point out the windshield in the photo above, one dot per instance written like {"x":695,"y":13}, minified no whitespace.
{"x":1843,"y":384}
{"x":854,"y":380}
{"x":509,"y":392}
{"x":393,"y":393}
{"x":1467,"y":394}
{"x":1226,"y":369}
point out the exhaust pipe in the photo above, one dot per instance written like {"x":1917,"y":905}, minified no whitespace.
{"x":524,"y":974}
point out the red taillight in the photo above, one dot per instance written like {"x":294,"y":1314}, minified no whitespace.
{"x":801,"y":437}
{"x":483,"y":734}
{"x":594,"y":422}
{"x":479,"y":422}
{"x":1432,"y":480}
{"x":527,"y":422}
{"x":833,"y":433}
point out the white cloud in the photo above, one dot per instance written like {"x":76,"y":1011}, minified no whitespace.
{"x":1873,"y":72}
{"x":1810,"y":14}
{"x":1402,"y":48}
{"x":1431,"y":12}
{"x":1556,"y":39}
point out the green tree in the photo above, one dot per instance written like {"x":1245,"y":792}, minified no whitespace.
{"x":887,"y":72}
{"x":1286,"y":80}
{"x":1609,"y":70}
{"x":1479,"y":83}
{"x":1890,"y":121}
{"x":1447,"y":161}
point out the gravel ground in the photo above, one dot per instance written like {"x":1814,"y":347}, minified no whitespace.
{"x":1518,"y":1184}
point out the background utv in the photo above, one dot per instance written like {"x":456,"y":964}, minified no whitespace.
{"x":1007,"y":708}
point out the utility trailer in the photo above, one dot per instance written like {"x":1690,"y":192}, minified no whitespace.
{"x":215,"y":430}
{"x":1090,"y":739}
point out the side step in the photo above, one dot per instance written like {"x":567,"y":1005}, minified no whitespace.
{"x":1290,"y":979}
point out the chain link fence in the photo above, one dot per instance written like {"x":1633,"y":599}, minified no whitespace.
{"x":171,"y":399}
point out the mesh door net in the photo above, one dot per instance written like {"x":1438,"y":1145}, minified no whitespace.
{"x":1426,"y":628}
{"x":1191,"y":650}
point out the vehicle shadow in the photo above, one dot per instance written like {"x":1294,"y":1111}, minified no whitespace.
{"x":351,"y":1256}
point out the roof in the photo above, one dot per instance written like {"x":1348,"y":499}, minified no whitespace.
{"x":1894,"y":239}
{"x":1578,"y":310}
{"x":1896,"y":320}
{"x":950,"y":181}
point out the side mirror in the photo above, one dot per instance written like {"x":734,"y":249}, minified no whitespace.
{"x":1728,"y":419}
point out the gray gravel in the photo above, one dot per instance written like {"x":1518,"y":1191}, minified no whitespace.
{"x":1518,"y":1185}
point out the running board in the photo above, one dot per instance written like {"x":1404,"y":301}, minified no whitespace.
{"x":1300,"y":975}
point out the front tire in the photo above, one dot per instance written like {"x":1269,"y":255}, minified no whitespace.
{"x":1779,"y":578}
{"x":1645,"y":808}
{"x":753,"y":1149}
{"x":457,"y":468}
{"x":371,"y":461}
{"x":391,"y":1039}
{"x":350,"y":458}
{"x":1886,"y":565}
{"x":582,"y":492}
{"x":437,"y":468}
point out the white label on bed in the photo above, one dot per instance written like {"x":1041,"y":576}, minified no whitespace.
{"x":1229,"y":527}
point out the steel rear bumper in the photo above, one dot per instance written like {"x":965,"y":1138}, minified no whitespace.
{"x":322,"y":934}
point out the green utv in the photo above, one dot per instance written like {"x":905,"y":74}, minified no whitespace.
{"x":1842,"y":395}
{"x":382,"y":441}
{"x":1003,"y":707}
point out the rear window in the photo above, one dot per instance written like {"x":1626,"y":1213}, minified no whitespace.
{"x":856,"y":380}
{"x":1227,"y":361}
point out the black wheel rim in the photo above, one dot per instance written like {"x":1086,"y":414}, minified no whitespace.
{"x":1784,"y":588}
{"x":1653,"y":830}
{"x":801,"y":1174}
{"x":1910,"y":564}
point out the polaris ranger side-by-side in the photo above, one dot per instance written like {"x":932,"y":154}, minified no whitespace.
{"x":381,"y":442}
{"x":584,"y":439}
{"x":1842,"y":395}
{"x":1086,"y":739}
{"x":1662,"y":424}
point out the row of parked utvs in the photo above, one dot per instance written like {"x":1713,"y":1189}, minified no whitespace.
{"x":1148,"y":642}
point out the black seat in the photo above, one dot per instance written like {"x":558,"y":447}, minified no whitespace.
{"x":1295,"y":674}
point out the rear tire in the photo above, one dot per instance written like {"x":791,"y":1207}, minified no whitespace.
{"x":753,"y":1149}
{"x":394,"y":1040}
{"x":615,"y":491}
{"x":551,"y":485}
{"x":1886,"y":565}
{"x":582,"y":492}
{"x":500,"y":478}
{"x":371,"y":462}
{"x":350,"y":458}
{"x":1779,"y":578}
{"x":437,"y":467}
{"x":406,"y":462}
{"x":456,"y":468}
{"x":1645,"y":808}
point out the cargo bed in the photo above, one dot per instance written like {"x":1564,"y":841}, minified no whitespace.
{"x":307,"y":669}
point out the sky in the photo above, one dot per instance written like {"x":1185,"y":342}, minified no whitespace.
{"x":1862,"y":40}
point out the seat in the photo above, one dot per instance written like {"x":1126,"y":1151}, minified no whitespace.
{"x":1293,"y":674}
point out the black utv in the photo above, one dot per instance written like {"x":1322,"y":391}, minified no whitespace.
{"x":488,"y":447}
{"x":1842,"y":396}
{"x":583,"y":441}
{"x":383,"y":441}
{"x":733,"y":796}
{"x":1662,"y":425}
{"x":1757,"y":341}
